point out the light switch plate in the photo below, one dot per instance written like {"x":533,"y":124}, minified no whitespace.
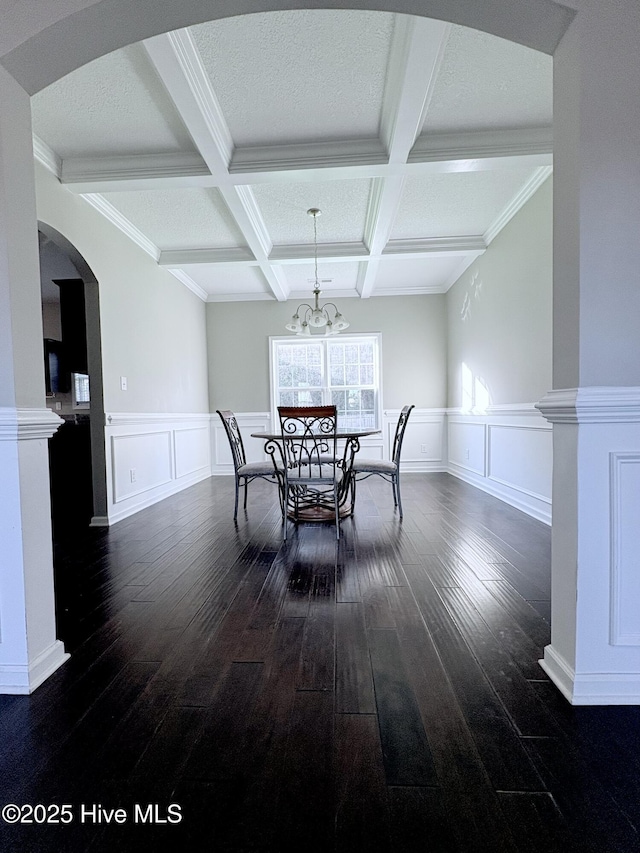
{"x":123,"y":383}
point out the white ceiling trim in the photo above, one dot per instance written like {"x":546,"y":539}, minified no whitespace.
{"x":135,"y":172}
{"x":192,"y":72}
{"x":361,"y":158}
{"x":416,"y":53}
{"x":190,"y":284}
{"x":428,"y":246}
{"x":47,"y":156}
{"x":523,"y":196}
{"x":116,"y":218}
{"x":240,"y":297}
{"x":177,"y":61}
{"x":311,"y":155}
{"x":414,"y":62}
{"x":217,"y":257}
{"x":302,"y":253}
{"x":481,"y":144}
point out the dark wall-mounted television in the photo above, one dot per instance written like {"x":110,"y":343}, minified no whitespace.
{"x":56,"y":375}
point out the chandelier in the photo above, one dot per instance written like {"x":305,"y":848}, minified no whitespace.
{"x":316,"y":316}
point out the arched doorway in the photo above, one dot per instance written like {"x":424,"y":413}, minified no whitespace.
{"x":597,"y":75}
{"x":83,"y":412}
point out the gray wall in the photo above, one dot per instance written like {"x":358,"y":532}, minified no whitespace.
{"x":153,"y":329}
{"x":413,"y":348}
{"x":499,"y":311}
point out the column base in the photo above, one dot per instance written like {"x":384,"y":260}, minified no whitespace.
{"x":23,"y":679}
{"x":593,"y":688}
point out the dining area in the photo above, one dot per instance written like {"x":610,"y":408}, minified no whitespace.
{"x":313,"y":460}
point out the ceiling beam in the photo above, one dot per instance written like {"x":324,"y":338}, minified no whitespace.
{"x":416,"y":53}
{"x":466,"y":151}
{"x":302,"y":253}
{"x":177,"y":61}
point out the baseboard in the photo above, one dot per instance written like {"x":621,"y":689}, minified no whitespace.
{"x":24,"y":679}
{"x":99,"y":521}
{"x":529,"y":504}
{"x":154,"y":496}
{"x":593,"y":688}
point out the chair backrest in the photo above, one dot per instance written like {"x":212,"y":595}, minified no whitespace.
{"x":309,"y":439}
{"x":235,"y":439}
{"x":399,"y":436}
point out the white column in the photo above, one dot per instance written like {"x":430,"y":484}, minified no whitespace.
{"x":594,"y":656}
{"x":29,"y":651}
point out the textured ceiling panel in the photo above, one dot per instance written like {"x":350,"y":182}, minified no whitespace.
{"x":455,"y":204}
{"x":343,"y":205}
{"x":337,"y":276}
{"x":298,"y":76}
{"x":226,"y":280}
{"x":487,"y":82}
{"x":179,"y":219}
{"x":414,"y":275}
{"x":114,"y":105}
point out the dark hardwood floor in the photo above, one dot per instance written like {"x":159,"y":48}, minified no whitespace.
{"x":380,"y":694}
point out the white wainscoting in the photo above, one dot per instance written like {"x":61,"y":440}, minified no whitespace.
{"x":423,"y":448}
{"x":151,"y":456}
{"x":624,"y":502}
{"x":507,"y":452}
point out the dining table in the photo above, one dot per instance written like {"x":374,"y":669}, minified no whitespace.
{"x":351,"y":437}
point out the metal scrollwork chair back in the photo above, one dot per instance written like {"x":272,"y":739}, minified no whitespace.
{"x":244,"y":471}
{"x":311,"y":474}
{"x":388,"y":470}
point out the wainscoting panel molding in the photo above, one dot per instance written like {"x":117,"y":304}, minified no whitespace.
{"x":151,"y":456}
{"x":423,"y":448}
{"x":625,"y":579}
{"x":507,"y":452}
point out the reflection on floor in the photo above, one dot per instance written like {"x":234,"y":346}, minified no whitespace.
{"x":380,"y":694}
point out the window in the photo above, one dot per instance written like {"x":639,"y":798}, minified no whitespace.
{"x":343,"y":371}
{"x":81,"y":398}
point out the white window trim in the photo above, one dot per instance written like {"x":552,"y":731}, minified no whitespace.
{"x":275,"y":339}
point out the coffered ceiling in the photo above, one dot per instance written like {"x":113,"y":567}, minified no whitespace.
{"x":418,"y":140}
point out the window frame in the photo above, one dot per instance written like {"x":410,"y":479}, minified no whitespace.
{"x":275,"y":340}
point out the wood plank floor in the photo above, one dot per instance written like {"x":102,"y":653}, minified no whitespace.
{"x":380,"y":694}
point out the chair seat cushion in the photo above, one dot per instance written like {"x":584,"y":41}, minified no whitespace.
{"x":256,"y":469}
{"x":373,"y":466}
{"x":318,"y":475}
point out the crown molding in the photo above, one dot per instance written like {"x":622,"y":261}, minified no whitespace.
{"x":134,"y":172}
{"x":592,"y":405}
{"x":296,"y":253}
{"x":434,"y":245}
{"x":24,"y":424}
{"x":47,"y":156}
{"x":241,"y":297}
{"x":425,"y":290}
{"x":122,"y":223}
{"x":532,"y":185}
{"x":232,"y":256}
{"x":483,"y":144}
{"x":190,"y":284}
{"x":309,"y":156}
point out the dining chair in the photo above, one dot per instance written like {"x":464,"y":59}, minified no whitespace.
{"x":388,"y":470}
{"x":244,"y":471}
{"x":311,"y":475}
